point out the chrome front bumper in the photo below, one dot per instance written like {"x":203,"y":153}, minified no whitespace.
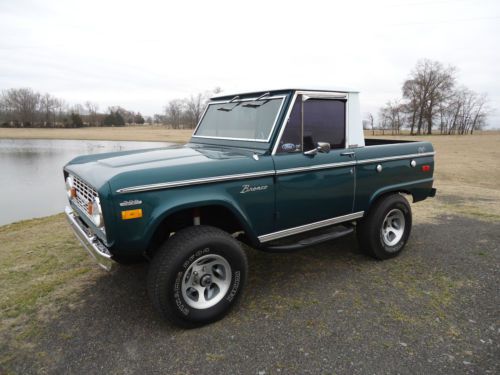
{"x":90,"y":242}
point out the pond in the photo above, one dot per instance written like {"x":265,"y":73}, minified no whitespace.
{"x":31,"y":177}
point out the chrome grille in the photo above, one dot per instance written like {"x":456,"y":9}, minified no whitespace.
{"x":84,"y":194}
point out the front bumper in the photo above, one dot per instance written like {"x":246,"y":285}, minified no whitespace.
{"x":89,"y":241}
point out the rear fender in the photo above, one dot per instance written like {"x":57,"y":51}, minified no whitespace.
{"x":419,"y":190}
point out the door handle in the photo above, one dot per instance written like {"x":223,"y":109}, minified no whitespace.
{"x":348,"y":153}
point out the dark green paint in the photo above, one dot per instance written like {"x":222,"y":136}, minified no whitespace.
{"x":290,"y":200}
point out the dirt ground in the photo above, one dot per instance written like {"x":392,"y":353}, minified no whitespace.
{"x":326,"y":309}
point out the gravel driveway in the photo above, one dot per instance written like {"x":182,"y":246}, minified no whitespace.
{"x":328,"y":309}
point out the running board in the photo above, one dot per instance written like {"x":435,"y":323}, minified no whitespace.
{"x":311,"y":241}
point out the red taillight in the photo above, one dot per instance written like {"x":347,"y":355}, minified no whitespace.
{"x":426,"y":168}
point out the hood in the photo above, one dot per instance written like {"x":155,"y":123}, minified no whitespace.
{"x":167,"y":164}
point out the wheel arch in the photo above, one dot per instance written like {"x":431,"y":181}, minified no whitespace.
{"x":381,"y":194}
{"x":217,"y":213}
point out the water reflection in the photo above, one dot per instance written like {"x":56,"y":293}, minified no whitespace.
{"x":31,"y":181}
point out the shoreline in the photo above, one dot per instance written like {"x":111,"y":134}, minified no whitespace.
{"x":29,"y":221}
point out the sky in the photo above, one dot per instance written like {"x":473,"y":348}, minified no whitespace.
{"x":141,"y":54}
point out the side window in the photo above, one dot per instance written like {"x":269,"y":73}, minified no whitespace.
{"x":313,"y":121}
{"x":291,"y":140}
{"x":324,"y":121}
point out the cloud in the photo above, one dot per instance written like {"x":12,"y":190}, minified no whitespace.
{"x":141,"y":54}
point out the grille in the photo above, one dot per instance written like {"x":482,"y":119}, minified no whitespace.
{"x":84,"y":194}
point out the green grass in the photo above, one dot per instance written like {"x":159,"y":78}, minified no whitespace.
{"x":42,"y":265}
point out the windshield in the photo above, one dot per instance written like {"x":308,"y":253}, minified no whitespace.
{"x":249,"y":120}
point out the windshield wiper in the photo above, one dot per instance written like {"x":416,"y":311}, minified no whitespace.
{"x":225,"y":109}
{"x":252,"y":104}
{"x":262,"y":98}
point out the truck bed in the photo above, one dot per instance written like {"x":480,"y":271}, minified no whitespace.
{"x":379,"y":141}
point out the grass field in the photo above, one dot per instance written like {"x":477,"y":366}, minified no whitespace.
{"x":43,"y":267}
{"x":467,"y":174}
{"x":128,"y":133}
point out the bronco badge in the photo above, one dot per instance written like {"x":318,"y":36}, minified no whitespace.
{"x":249,"y":189}
{"x":130,"y":203}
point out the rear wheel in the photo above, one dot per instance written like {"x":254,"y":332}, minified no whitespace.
{"x":383,"y":233}
{"x":197,"y":276}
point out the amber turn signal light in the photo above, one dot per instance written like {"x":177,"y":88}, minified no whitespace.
{"x":132,"y":214}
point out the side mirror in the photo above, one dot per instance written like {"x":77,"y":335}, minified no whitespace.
{"x":321,"y":147}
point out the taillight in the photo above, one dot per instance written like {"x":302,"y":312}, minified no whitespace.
{"x":426,"y":168}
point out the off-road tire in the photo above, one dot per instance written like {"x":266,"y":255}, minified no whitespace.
{"x":171,"y":263}
{"x":369,"y":229}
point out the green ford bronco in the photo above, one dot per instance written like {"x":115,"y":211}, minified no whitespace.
{"x":278,"y":170}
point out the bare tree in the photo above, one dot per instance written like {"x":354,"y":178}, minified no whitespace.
{"x":368,"y":122}
{"x":159,"y":119}
{"x":92,"y":110}
{"x":48,"y":107}
{"x":392,"y":116}
{"x":430,"y":84}
{"x":194,"y":108}
{"x":465,"y":112}
{"x":187,"y":111}
{"x":173,"y":112}
{"x":21,"y":105}
{"x":372,"y":122}
{"x":78,"y":109}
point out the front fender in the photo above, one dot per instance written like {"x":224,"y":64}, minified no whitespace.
{"x":163,"y":211}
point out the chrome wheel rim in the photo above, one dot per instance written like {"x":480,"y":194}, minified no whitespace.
{"x":206,"y":281}
{"x":393,"y":227}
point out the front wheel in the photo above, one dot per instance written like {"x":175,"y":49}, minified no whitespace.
{"x":383,"y":233}
{"x":197,"y":276}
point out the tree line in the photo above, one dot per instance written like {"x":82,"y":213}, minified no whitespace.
{"x":24,"y":107}
{"x":432,"y":100}
{"x":185,"y":113}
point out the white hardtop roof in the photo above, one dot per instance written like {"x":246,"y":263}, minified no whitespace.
{"x":316,"y":88}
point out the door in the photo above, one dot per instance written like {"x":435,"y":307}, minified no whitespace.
{"x":311,"y":184}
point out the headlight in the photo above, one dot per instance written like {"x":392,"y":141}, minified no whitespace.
{"x":70,"y":187}
{"x":95,"y":212}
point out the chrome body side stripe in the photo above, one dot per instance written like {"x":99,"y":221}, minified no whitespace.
{"x":243,"y":176}
{"x":197,"y":181}
{"x":398,"y":157}
{"x":315,"y":167}
{"x":311,"y":226}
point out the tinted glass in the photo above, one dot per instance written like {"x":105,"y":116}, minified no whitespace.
{"x":251,"y":120}
{"x":324,"y":121}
